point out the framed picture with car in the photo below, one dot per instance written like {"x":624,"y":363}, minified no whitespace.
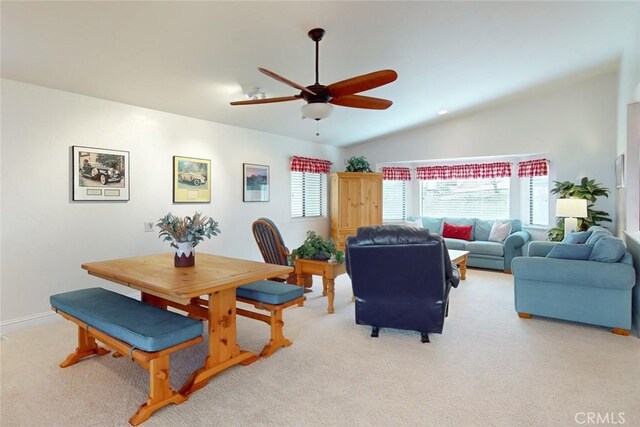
{"x":99,"y":174}
{"x":191,"y":180}
{"x":255,"y":183}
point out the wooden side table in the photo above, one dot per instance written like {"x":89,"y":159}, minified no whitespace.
{"x":305,"y":268}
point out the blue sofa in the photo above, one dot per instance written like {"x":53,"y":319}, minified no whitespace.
{"x":596,"y":292}
{"x":482,"y":252}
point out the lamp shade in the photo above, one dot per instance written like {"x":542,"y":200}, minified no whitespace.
{"x":316,"y":110}
{"x":571,"y":208}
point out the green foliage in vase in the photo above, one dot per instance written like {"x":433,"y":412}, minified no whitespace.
{"x":315,"y":247}
{"x":358,"y":164}
{"x":587,"y":189}
{"x":186,"y":229}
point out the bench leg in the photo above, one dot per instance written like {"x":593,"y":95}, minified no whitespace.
{"x":86,"y":347}
{"x":277,"y":337}
{"x":160,"y":391}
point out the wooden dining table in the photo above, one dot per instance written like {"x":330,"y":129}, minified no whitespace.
{"x":205,"y":291}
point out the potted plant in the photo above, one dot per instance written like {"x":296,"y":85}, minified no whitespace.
{"x":587,"y":189}
{"x":315,"y":247}
{"x":185,"y":233}
{"x":358,"y":164}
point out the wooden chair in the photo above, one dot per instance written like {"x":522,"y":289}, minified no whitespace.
{"x":272,"y":247}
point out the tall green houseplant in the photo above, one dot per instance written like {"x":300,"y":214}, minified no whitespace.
{"x":587,"y":189}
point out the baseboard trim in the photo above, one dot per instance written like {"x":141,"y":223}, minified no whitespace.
{"x":21,"y":323}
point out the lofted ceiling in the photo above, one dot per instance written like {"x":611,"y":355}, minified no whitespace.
{"x":193,"y":58}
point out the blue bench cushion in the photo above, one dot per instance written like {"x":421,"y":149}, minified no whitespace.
{"x":270,"y":292}
{"x":141,"y":325}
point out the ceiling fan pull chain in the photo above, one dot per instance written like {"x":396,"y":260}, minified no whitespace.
{"x":317,"y":127}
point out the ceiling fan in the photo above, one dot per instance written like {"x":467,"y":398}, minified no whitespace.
{"x":320,"y":97}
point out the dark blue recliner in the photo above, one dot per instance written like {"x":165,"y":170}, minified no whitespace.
{"x":401,"y":278}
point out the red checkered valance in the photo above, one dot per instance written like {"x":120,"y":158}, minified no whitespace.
{"x":306,"y":164}
{"x":396,"y":173}
{"x":470,"y":171}
{"x":538,"y":167}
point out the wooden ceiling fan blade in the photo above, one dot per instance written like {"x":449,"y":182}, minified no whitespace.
{"x":284,"y":80}
{"x":359,"y":101}
{"x":266,"y":100}
{"x":361,"y":83}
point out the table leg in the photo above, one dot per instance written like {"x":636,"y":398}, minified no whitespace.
{"x":329,"y":284}
{"x":463,"y":268}
{"x":223,"y":350}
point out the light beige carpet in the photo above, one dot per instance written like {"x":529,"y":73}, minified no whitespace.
{"x":488,"y":368}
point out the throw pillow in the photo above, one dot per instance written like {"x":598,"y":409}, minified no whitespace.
{"x":571,"y":251}
{"x":597,"y":234}
{"x":499,"y":231}
{"x":608,"y":249}
{"x":416,"y":223}
{"x":577,"y":237}
{"x":462,"y":232}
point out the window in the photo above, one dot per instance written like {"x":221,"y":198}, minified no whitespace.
{"x":308,"y":194}
{"x":394,"y":203}
{"x":485,"y":198}
{"x":538,"y":199}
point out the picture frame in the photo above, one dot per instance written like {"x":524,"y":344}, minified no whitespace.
{"x":191,"y":180}
{"x":255,"y":183}
{"x":99,"y":174}
{"x":619,"y":166}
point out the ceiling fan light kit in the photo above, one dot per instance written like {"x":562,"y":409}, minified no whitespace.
{"x":319,"y":98}
{"x":316,"y":110}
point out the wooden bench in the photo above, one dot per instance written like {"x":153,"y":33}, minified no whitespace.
{"x":146,"y":334}
{"x":273,"y":297}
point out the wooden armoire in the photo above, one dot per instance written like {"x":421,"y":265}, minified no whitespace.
{"x":355,"y":201}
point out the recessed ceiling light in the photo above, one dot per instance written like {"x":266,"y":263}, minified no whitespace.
{"x":442,"y":112}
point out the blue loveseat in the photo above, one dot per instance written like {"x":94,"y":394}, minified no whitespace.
{"x":482,"y":252}
{"x":595,"y":289}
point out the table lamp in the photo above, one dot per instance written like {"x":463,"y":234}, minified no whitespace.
{"x":571,"y":210}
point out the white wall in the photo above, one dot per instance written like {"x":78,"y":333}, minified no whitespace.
{"x":575,"y":123}
{"x":46,"y":236}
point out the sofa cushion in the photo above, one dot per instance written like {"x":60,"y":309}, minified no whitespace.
{"x":577,"y":237}
{"x":456,"y":244}
{"x":597,"y":233}
{"x":499,"y":231}
{"x":416,"y":223}
{"x":579,"y":251}
{"x":433,"y":224}
{"x":479,"y":247}
{"x":462,"y":232}
{"x":482,"y":229}
{"x":608,"y":249}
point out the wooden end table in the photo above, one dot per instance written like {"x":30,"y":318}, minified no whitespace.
{"x":459,"y":258}
{"x":305,"y":268}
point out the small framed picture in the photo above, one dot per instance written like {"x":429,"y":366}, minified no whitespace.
{"x":191,"y":180}
{"x":255,"y":183}
{"x":620,"y":171}
{"x":99,"y":174}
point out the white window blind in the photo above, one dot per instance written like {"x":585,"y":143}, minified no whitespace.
{"x":308,"y":194}
{"x":538,"y":196}
{"x":394,"y":202}
{"x":485,"y":198}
